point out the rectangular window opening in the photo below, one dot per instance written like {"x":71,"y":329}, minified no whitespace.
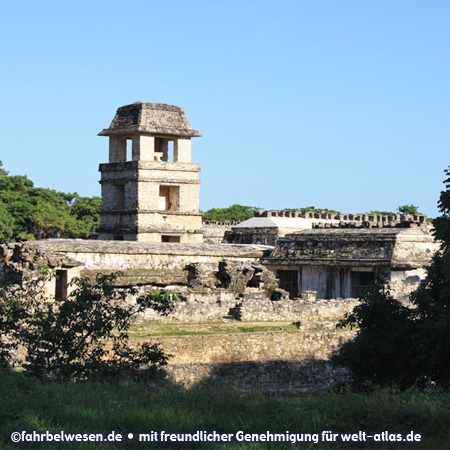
{"x":164,"y":149}
{"x":170,"y":154}
{"x":170,"y":238}
{"x":289,"y":281}
{"x":61,"y":284}
{"x":360,"y":282}
{"x":119,"y":196}
{"x":169,"y":198}
{"x":129,"y":150}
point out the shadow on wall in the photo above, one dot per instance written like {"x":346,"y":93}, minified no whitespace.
{"x":309,"y":375}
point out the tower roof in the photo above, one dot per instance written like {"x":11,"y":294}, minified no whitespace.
{"x":152,"y":118}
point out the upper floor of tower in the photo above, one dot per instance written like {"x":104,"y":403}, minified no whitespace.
{"x":144,"y":131}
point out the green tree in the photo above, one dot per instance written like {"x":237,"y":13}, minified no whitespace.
{"x":382,"y":213}
{"x":408,"y":209}
{"x":35,"y":213}
{"x":6,"y":224}
{"x":50,"y":220}
{"x":380,"y":353}
{"x":318,"y":210}
{"x":234,"y":212}
{"x":82,"y":336}
{"x":432,"y":299}
{"x":86,"y":212}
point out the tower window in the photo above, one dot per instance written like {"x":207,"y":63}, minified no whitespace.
{"x":129,"y":150}
{"x":165,"y":238}
{"x":169,"y":198}
{"x":119,"y":196}
{"x":164,"y":149}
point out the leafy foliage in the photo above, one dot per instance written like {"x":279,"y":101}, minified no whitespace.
{"x":161,"y":302}
{"x":234,"y":212}
{"x":14,"y":311}
{"x":316,"y":210}
{"x":27,"y":212}
{"x":408,"y":209}
{"x":83,"y":336}
{"x":432,"y":299}
{"x":380,"y":352}
{"x":382,"y":213}
{"x":240,"y":213}
{"x":401,"y":346}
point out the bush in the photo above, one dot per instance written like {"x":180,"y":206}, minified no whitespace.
{"x":380,"y":354}
{"x":82,"y":336}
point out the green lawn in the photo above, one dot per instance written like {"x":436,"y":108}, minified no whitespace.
{"x":196,"y":329}
{"x":28,"y":405}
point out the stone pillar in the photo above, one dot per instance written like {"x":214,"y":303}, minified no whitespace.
{"x":117,"y":149}
{"x":182,"y":150}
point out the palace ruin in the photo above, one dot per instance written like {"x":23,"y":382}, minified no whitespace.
{"x":278,"y":266}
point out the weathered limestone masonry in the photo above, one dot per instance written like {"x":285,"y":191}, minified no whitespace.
{"x":339,"y":261}
{"x":266,"y":227}
{"x":150,"y":192}
{"x":269,"y":361}
{"x":208,"y":272}
{"x":150,"y":195}
{"x":307,"y":313}
{"x":212,"y":280}
{"x":214,"y":232}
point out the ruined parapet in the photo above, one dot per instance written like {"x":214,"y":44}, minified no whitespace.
{"x":343,"y":261}
{"x":26,"y":261}
{"x":216,"y":223}
{"x":349,"y":220}
{"x":381,"y":221}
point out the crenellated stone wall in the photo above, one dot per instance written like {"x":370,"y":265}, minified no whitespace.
{"x":367,"y":220}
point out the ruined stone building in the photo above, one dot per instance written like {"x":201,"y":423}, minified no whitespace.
{"x":150,"y":187}
{"x":150,"y":195}
{"x":340,"y":261}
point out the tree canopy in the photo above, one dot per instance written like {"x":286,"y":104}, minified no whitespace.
{"x":408,"y":209}
{"x":28,"y":212}
{"x":235,"y":212}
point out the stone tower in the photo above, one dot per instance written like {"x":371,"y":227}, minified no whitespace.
{"x":150,"y":187}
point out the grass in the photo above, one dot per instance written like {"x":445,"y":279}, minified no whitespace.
{"x":199,"y":329}
{"x":27,"y":404}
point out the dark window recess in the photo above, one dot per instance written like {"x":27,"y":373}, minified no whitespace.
{"x":119,"y":190}
{"x":289,"y":281}
{"x":61,"y":284}
{"x":169,"y":198}
{"x":360,"y":282}
{"x":170,"y":238}
{"x":118,"y":237}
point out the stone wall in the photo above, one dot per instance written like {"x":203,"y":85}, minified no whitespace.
{"x":294,"y":310}
{"x":351,"y":220}
{"x":214,"y":233}
{"x":191,"y":312}
{"x":324,"y":313}
{"x":268,"y":360}
{"x":260,"y":236}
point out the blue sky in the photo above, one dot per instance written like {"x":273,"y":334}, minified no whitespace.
{"x":337,"y":104}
